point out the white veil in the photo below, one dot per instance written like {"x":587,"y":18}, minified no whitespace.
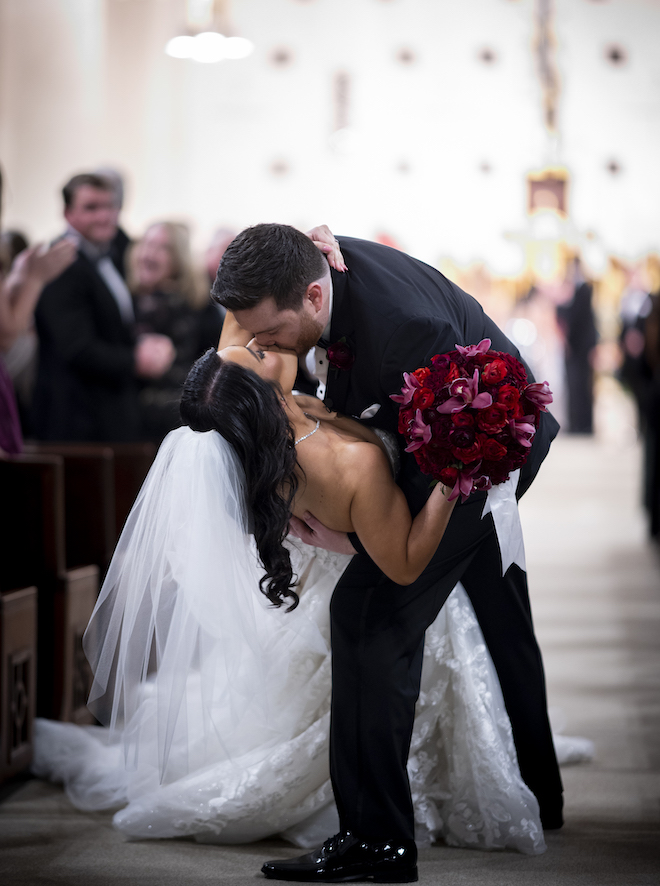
{"x":190,"y":661}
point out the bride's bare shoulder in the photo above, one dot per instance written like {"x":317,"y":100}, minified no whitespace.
{"x":362,"y":463}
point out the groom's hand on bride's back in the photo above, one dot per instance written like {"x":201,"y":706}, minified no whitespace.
{"x":313,"y":532}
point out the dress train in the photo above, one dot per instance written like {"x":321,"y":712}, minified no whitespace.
{"x":466,"y":786}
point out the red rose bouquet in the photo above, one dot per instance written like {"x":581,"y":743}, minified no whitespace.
{"x":470,"y":417}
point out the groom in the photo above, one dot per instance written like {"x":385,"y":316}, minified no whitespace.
{"x":389,"y":313}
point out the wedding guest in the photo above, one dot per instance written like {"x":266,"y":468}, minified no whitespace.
{"x":577,"y":320}
{"x":652,"y":423}
{"x":637,"y":376}
{"x":170,"y":299}
{"x":220,"y":240}
{"x":121,"y":241}
{"x":90,"y":361}
{"x":634,"y":309}
{"x":21,"y":357}
{"x":12,"y":243}
{"x":22,"y":278}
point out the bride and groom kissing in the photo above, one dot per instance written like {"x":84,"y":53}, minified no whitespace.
{"x":226,"y":738}
{"x":392,"y":313}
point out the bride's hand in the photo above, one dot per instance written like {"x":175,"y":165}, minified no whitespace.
{"x":313,"y":532}
{"x":323,"y":238}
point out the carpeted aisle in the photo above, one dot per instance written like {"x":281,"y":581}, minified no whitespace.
{"x":596,"y":596}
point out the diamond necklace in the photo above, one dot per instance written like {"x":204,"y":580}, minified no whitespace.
{"x":305,"y":436}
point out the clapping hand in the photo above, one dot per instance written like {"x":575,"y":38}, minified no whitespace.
{"x":31,"y":270}
{"x":154,"y":354}
{"x":43,"y":263}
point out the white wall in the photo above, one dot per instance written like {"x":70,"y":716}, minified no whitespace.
{"x":86,"y":82}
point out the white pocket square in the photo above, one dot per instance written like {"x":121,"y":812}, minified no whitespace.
{"x":369,"y":412}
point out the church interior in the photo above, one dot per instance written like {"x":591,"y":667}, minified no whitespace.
{"x":510,"y":144}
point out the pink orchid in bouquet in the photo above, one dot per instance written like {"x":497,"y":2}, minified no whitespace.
{"x":470,"y":417}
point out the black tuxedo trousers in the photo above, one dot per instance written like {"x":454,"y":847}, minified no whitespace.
{"x":394,"y":313}
{"x":377,"y":647}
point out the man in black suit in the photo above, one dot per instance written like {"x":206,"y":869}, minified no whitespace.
{"x":89,"y":361}
{"x":392,"y":313}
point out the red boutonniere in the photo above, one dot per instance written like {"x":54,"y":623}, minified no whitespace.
{"x":340,"y":356}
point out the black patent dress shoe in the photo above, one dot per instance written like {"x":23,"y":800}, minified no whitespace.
{"x":552,"y":817}
{"x":344,"y":857}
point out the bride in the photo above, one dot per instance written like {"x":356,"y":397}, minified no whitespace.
{"x":215,"y":696}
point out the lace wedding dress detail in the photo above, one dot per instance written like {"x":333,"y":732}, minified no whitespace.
{"x":226,"y":739}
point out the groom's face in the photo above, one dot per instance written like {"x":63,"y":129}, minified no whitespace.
{"x":296,"y":330}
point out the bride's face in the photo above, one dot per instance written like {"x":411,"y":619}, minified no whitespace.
{"x":274,"y":364}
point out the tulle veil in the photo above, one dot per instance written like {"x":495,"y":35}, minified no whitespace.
{"x":190,"y":661}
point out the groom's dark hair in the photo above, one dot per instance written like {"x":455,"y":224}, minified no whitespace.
{"x":268,"y":260}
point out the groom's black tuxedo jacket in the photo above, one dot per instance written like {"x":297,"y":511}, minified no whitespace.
{"x":395,"y":313}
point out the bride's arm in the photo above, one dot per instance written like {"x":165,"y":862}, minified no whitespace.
{"x":232,"y":333}
{"x":400,"y":546}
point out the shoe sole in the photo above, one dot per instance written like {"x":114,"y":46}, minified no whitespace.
{"x":407,"y":876}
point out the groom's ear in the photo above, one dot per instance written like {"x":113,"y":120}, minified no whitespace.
{"x":314,"y":295}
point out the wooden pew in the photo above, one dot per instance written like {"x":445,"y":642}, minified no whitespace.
{"x":63,"y":505}
{"x":89,"y":501}
{"x":32,"y":552}
{"x":102,"y":481}
{"x":132,"y":463}
{"x":18,"y":675}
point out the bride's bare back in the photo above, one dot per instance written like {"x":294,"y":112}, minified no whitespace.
{"x":348,"y":486}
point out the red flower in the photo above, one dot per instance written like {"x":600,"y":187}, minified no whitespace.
{"x":494,"y":371}
{"x":422,"y":373}
{"x":340,"y":355}
{"x":405,"y":417}
{"x":462,"y":419}
{"x":423,"y":398}
{"x":469,"y":452}
{"x":468,"y":455}
{"x":462,"y":437}
{"x":492,"y":419}
{"x":515,"y":368}
{"x":441,"y":431}
{"x":493,"y":451}
{"x":448,"y":475}
{"x":508,"y":395}
{"x":452,"y":373}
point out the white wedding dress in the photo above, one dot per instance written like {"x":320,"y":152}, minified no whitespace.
{"x":217,"y":705}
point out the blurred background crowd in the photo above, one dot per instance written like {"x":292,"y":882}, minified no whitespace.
{"x":116,"y":324}
{"x":510,"y":143}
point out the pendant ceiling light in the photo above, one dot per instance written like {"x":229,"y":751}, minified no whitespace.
{"x":207,"y":40}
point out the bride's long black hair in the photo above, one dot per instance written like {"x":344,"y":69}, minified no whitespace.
{"x":247,"y":411}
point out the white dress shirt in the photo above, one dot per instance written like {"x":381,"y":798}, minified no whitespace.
{"x":316,"y":359}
